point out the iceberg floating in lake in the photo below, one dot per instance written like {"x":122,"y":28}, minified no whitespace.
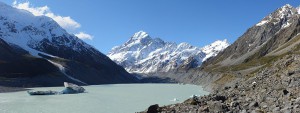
{"x":175,"y":99}
{"x":72,"y":88}
{"x":69,"y":89}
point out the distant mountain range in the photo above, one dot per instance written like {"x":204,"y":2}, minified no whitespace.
{"x":145,"y":55}
{"x":36,"y":51}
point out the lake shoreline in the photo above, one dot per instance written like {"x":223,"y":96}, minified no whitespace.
{"x":4,"y":89}
{"x":106,"y":97}
{"x":7,"y":89}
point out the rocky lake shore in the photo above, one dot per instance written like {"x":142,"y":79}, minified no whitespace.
{"x":273,"y":89}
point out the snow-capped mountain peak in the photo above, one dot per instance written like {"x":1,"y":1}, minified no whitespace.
{"x":184,"y":45}
{"x":139,"y":35}
{"x":282,"y":15}
{"x":287,"y":6}
{"x":214,"y":48}
{"x":138,"y":39}
{"x":143,"y":54}
{"x":217,"y":45}
{"x":21,"y":28}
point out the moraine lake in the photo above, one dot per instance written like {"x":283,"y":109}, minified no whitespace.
{"x":114,"y":98}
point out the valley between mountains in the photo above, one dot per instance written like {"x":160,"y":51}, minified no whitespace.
{"x":36,"y":51}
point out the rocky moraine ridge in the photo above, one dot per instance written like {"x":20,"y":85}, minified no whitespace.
{"x":258,"y":73}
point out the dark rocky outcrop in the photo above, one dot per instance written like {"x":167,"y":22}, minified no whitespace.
{"x":19,"y":69}
{"x":153,"y":109}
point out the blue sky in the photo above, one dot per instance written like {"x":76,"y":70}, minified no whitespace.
{"x":198,"y":22}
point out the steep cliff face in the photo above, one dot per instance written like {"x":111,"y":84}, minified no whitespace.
{"x":41,"y":38}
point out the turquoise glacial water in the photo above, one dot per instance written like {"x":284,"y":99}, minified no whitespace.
{"x":114,"y":98}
